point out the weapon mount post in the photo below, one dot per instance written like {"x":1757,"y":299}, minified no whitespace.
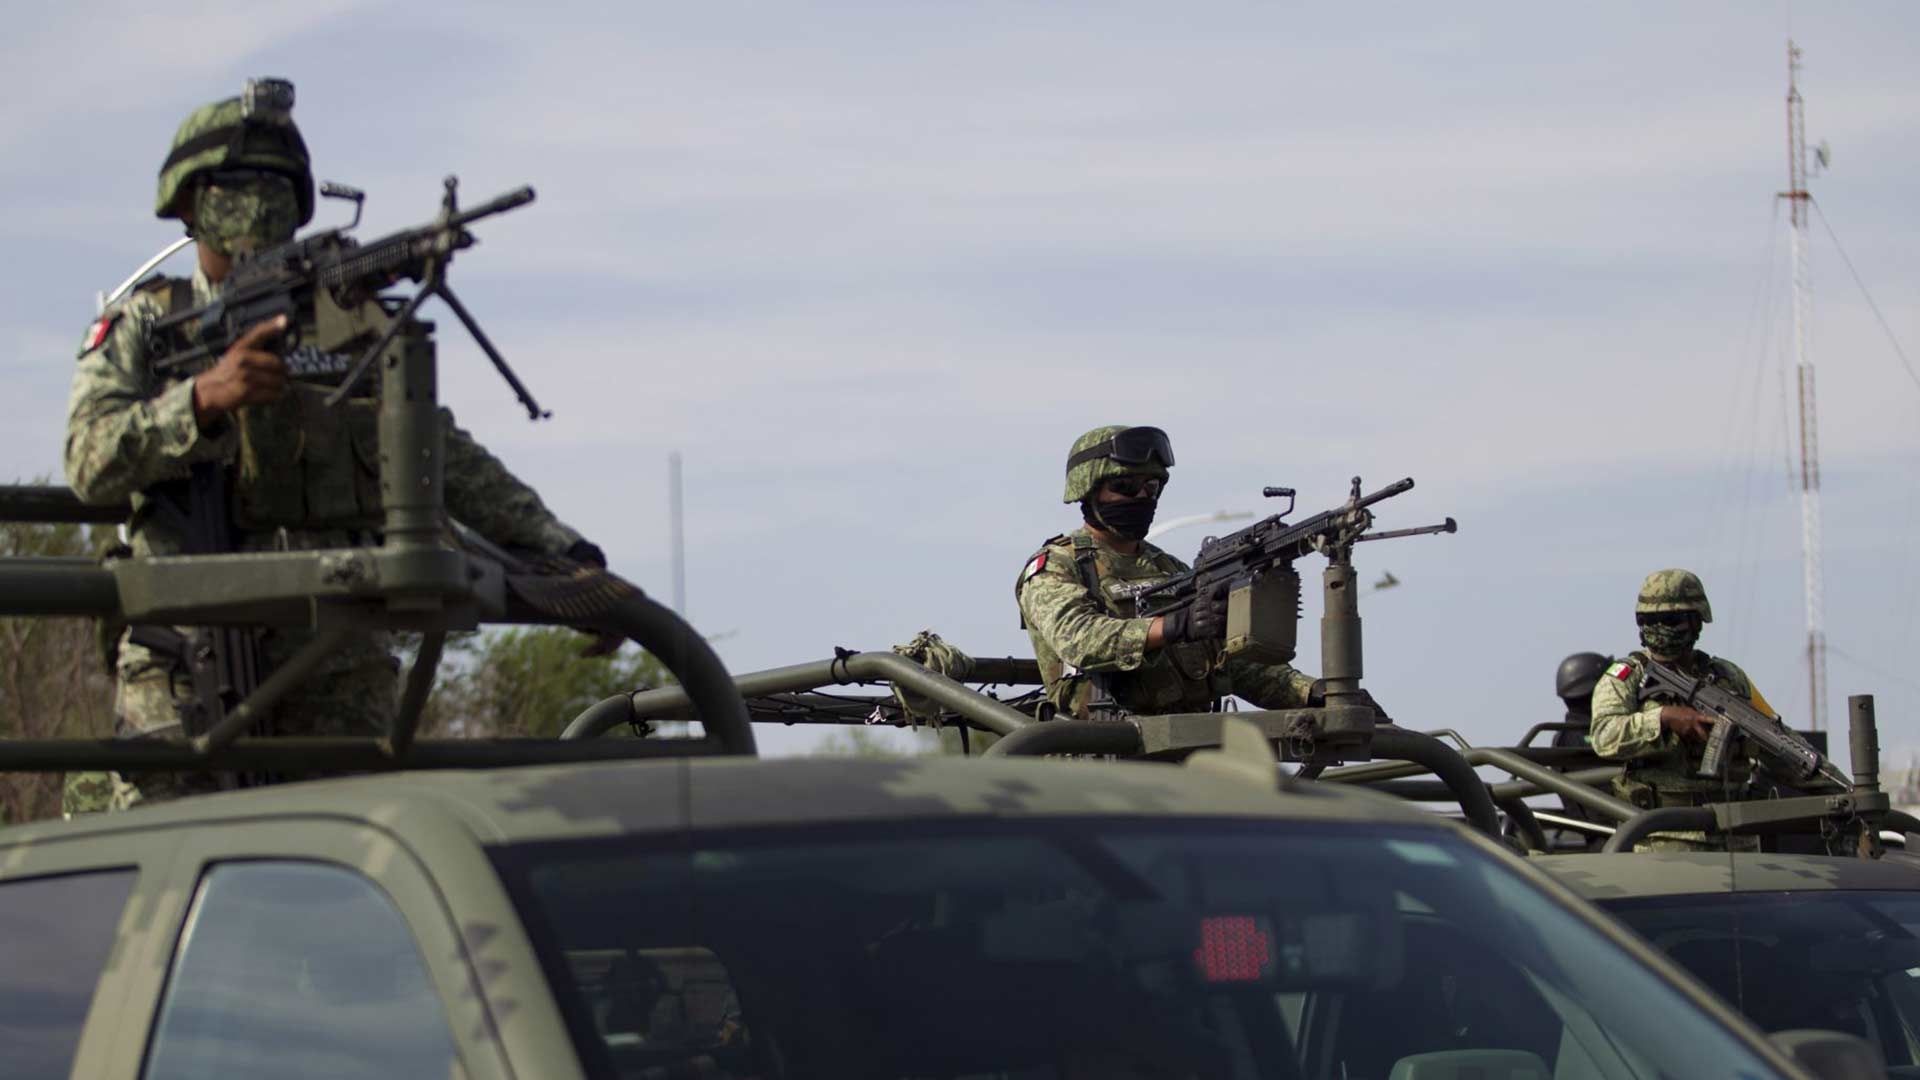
{"x":1863,"y":733}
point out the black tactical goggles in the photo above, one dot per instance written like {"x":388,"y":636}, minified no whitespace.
{"x":1134,"y":446}
{"x":1665,"y":618}
{"x":242,"y":178}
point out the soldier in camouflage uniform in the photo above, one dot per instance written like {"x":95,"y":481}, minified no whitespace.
{"x":300,"y":475}
{"x":1662,"y":743}
{"x":1077,"y":593}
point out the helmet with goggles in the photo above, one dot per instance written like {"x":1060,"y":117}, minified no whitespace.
{"x":1113,"y":451}
{"x":254,"y":131}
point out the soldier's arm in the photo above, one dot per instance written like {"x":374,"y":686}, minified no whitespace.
{"x":483,"y":495}
{"x":1059,"y":609}
{"x":1622,"y":726}
{"x":127,"y":430}
{"x":1270,"y":686}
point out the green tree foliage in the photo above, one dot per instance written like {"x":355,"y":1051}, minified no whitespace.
{"x":53,"y":679}
{"x":864,"y":742}
{"x":529,"y":680}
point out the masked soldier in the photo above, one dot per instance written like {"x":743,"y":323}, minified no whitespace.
{"x":1077,"y":600}
{"x":240,"y":442}
{"x":1662,"y":743}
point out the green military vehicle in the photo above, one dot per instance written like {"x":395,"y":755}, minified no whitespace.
{"x":1813,"y":921}
{"x":812,"y":918}
{"x":1791,"y":940}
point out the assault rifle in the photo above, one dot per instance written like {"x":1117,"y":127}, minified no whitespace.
{"x":287,"y":280}
{"x":1778,"y":748}
{"x":1255,"y":567}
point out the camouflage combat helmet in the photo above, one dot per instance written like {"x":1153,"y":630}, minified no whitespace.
{"x":1115,"y":450}
{"x":1673,"y":590}
{"x":254,"y":130}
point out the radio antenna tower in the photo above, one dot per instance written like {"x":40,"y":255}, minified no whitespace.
{"x":1798,"y":199}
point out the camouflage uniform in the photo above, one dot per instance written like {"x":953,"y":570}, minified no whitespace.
{"x":1086,"y":631}
{"x":1076,"y":599}
{"x":1661,"y":768}
{"x":301,"y":477}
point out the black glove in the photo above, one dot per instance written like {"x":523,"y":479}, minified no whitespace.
{"x":1205,"y":619}
{"x":588,"y":552}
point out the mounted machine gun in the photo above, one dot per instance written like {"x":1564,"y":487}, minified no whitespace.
{"x":425,"y":576}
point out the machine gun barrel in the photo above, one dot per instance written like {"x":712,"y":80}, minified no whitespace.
{"x":1398,"y":487}
{"x":499,"y":204}
{"x":1273,"y":543}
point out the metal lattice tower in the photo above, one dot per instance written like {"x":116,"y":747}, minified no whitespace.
{"x":1798,"y":199}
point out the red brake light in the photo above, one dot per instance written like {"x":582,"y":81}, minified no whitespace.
{"x":1234,"y":949}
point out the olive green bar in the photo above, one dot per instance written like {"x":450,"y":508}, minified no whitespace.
{"x":44,"y":586}
{"x":51,"y":504}
{"x":297,"y":755}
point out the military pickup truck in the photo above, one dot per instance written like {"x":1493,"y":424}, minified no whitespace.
{"x":733,"y":917}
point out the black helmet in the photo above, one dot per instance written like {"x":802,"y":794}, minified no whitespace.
{"x":1578,"y":674}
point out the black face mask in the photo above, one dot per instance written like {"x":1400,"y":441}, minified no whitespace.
{"x":1129,"y":518}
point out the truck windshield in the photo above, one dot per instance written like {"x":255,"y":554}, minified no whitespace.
{"x":1841,"y":960}
{"x":1070,"y":948}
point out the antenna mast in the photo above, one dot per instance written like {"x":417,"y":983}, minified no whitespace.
{"x":1797,"y":199}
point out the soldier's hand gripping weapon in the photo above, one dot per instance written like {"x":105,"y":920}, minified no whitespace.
{"x":1255,"y":567}
{"x":287,"y":279}
{"x":1779,"y":749}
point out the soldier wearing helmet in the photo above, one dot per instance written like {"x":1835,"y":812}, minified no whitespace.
{"x":1076,"y":597}
{"x":1573,"y":684}
{"x":296,"y":474}
{"x":1661,"y":743}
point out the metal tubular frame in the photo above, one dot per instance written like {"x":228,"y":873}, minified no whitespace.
{"x":49,"y":505}
{"x":978,"y":710}
{"x":414,"y":700}
{"x":1070,"y":737}
{"x":1660,"y":819}
{"x":1446,"y":763}
{"x":1524,"y":823}
{"x":267,"y":694}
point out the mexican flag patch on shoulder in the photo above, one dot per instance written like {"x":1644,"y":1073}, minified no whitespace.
{"x":1034,"y":566}
{"x":1621,"y":670}
{"x":97,"y":333}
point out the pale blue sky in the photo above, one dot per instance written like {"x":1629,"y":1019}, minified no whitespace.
{"x":871,"y":267}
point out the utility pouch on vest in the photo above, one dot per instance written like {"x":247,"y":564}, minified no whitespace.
{"x":303,"y":464}
{"x":306,"y":466}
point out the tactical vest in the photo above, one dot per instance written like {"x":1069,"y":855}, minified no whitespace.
{"x":1670,"y":777}
{"x":301,"y":464}
{"x":1182,"y":677}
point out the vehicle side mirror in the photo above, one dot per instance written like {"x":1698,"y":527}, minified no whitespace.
{"x":1832,"y":1055}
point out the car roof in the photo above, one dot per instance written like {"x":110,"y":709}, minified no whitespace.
{"x":1632,"y":875}
{"x":603,"y":799}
